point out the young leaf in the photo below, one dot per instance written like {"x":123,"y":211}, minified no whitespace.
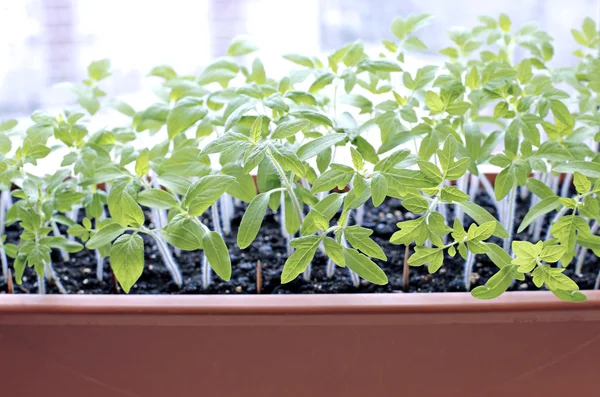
{"x":480,"y":215}
{"x":290,"y":128}
{"x":156,"y":198}
{"x":105,"y":236}
{"x":306,"y":247}
{"x":184,"y":233}
{"x":496,"y":285}
{"x":364,"y":267}
{"x":127,"y":259}
{"x":185,"y":113}
{"x":252,"y":220}
{"x":334,"y":251}
{"x":434,"y":257}
{"x":122,"y":206}
{"x":205,"y":191}
{"x":359,"y":238}
{"x":545,"y":206}
{"x":217,"y":254}
{"x":379,"y":189}
{"x":314,"y":147}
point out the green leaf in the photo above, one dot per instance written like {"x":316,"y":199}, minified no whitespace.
{"x":414,"y":230}
{"x":142,"y":165}
{"x":504,"y":22}
{"x":480,"y":215}
{"x":314,"y":147}
{"x":552,"y":253}
{"x":496,"y":285}
{"x":415,"y":204}
{"x":545,"y":206}
{"x":570,"y":296}
{"x":290,"y":128}
{"x":434,"y":257}
{"x":364,"y":267}
{"x":122,"y":206}
{"x":60,"y":242}
{"x":334,"y":251}
{"x":105,"y":236}
{"x":7,"y":125}
{"x":451,"y":194}
{"x":156,"y":198}
{"x":327,"y":207}
{"x":540,"y":189}
{"x":359,"y":238}
{"x":184,"y":233}
{"x":127,"y":259}
{"x":99,"y":70}
{"x":505,"y":182}
{"x":526,"y":255}
{"x":306,"y":247}
{"x":414,"y":44}
{"x":252,"y":220}
{"x":587,"y":168}
{"x":217,"y":254}
{"x":553,"y":278}
{"x":185,"y":114}
{"x":205,"y":192}
{"x":398,"y":28}
{"x":335,"y":177}
{"x":256,"y":132}
{"x":565,"y":230}
{"x":472,"y":80}
{"x":287,"y":159}
{"x":240,"y":46}
{"x":497,"y":255}
{"x":481,"y":232}
{"x":379,"y":189}
{"x":582,"y":184}
{"x":434,"y":102}
{"x":321,"y":82}
{"x":300,"y":60}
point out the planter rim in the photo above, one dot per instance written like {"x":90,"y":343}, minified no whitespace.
{"x":386,"y":303}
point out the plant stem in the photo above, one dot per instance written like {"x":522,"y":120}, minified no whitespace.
{"x":405,"y":268}
{"x":469,"y":262}
{"x":489,"y":190}
{"x":583,"y":251}
{"x":206,"y":269}
{"x":225,"y":202}
{"x":206,"y":272}
{"x":461,"y":184}
{"x":99,"y":257}
{"x":168,"y":259}
{"x":41,"y":285}
{"x":64,"y":254}
{"x":288,"y":187}
{"x":330,"y":264}
{"x":3,"y":209}
{"x":52,"y":276}
{"x":282,"y":219}
{"x":4,"y":261}
{"x":512,"y":196}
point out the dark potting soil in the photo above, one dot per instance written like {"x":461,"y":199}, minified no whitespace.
{"x":78,"y":275}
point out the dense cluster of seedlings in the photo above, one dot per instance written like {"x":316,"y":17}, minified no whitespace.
{"x":421,"y":136}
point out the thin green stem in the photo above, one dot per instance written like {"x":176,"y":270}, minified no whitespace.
{"x":288,"y":187}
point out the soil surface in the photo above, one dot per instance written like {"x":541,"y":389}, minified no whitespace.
{"x":78,"y":275}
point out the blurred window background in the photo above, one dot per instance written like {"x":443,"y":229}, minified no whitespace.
{"x":45,"y":42}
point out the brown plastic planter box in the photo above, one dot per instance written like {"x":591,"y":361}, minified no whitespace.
{"x":522,"y":344}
